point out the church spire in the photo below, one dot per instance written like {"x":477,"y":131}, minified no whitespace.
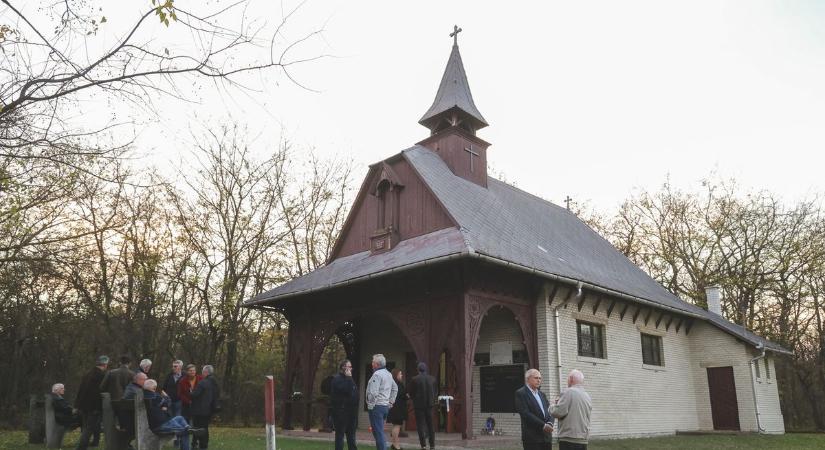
{"x":453,"y":104}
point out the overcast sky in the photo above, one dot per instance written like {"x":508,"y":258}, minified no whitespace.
{"x":587,"y":99}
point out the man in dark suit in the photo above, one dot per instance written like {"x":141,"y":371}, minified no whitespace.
{"x":533,"y":408}
{"x":422,"y":392}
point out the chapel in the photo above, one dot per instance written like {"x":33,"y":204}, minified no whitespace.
{"x":440,"y":262}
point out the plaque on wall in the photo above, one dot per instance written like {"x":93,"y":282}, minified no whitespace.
{"x":498,"y":387}
{"x":501,"y":353}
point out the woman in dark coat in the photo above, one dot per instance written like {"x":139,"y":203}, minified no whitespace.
{"x":398,"y":412}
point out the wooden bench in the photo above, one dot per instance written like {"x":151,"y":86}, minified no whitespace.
{"x":116,"y":438}
{"x":145,"y":438}
{"x":37,"y":420}
{"x":135,"y":411}
{"x":54,"y":431}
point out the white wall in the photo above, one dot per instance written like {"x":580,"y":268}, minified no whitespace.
{"x":714,"y":348}
{"x":633,"y":399}
{"x":630,"y":398}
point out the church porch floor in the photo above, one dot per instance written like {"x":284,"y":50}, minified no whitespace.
{"x":443,"y":441}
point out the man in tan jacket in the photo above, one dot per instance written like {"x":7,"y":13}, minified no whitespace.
{"x":572,"y":408}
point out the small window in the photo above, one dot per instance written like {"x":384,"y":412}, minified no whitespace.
{"x":591,"y":339}
{"x":767,"y":368}
{"x":652,"y":350}
{"x":756,"y":367}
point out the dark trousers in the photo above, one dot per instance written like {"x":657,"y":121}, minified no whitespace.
{"x":537,"y":445}
{"x":345,"y":422}
{"x":424,"y":425}
{"x":571,"y":446}
{"x":91,"y":429}
{"x":201,"y":440}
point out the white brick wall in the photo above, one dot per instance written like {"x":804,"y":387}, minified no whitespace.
{"x":630,"y":398}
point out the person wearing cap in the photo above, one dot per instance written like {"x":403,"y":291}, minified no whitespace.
{"x":422,"y":392}
{"x":89,"y":404}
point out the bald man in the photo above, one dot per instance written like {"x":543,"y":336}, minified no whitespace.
{"x":572,"y":408}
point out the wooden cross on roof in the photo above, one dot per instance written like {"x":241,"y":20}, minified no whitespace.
{"x":454,"y":34}
{"x":472,"y":153}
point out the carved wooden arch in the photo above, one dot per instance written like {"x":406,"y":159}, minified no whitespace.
{"x":411,"y":322}
{"x":477,"y":308}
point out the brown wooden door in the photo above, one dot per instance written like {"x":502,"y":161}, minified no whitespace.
{"x":723,"y":405}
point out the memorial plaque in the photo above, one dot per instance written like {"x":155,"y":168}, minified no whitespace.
{"x":501,"y":352}
{"x":498,"y":387}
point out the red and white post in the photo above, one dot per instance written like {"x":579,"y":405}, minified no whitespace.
{"x":269,"y":393}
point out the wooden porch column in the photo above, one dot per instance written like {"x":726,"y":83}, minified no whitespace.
{"x":469,"y":321}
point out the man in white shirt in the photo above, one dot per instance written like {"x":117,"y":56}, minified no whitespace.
{"x":533,"y":408}
{"x":381,"y":392}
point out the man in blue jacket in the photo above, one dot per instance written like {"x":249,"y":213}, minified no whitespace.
{"x":157,"y":412}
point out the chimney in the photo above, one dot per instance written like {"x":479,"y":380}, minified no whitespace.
{"x":714,"y":297}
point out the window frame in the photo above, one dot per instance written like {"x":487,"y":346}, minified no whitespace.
{"x":659,"y":359}
{"x":597,"y":337}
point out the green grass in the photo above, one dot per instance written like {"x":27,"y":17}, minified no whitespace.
{"x":253,"y":438}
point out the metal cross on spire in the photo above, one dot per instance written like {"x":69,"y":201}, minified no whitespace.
{"x":454,"y":34}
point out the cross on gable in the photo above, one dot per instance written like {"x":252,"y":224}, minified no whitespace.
{"x":472,"y":153}
{"x":567,"y":202}
{"x":454,"y":34}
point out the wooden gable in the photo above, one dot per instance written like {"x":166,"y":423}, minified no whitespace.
{"x":392,"y":205}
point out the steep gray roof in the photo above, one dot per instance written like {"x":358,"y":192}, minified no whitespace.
{"x":511,"y":227}
{"x":454,"y":92}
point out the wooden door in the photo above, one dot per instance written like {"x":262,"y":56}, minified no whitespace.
{"x":723,"y":405}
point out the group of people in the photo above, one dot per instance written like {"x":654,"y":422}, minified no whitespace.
{"x":387,"y":397}
{"x":183,"y":404}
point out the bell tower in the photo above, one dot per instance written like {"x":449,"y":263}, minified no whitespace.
{"x":453,"y":120}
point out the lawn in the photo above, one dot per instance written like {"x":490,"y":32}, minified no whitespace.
{"x":253,"y":438}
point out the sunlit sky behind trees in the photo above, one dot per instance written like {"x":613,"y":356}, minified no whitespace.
{"x":591,"y":100}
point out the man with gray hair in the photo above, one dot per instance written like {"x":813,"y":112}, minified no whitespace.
{"x":572,"y":408}
{"x":532,"y":407}
{"x":205,"y":402}
{"x":170,"y":387}
{"x":64,"y":414}
{"x":381,"y":392}
{"x":135,"y":386}
{"x":160,"y":421}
